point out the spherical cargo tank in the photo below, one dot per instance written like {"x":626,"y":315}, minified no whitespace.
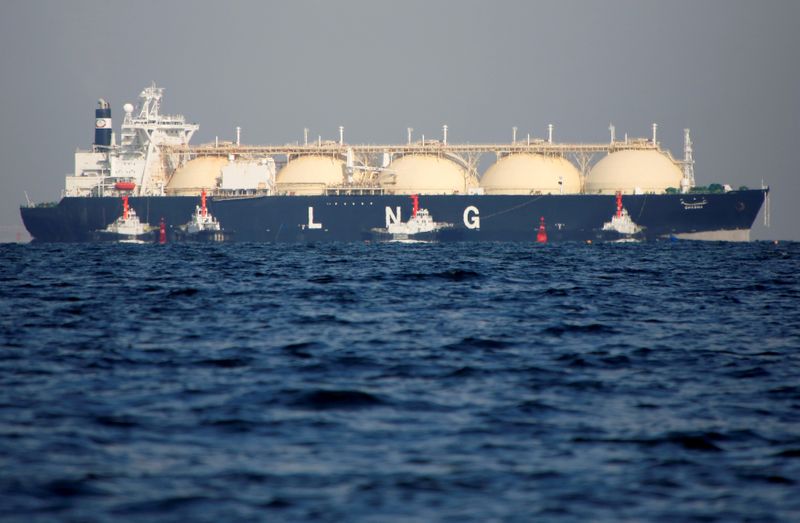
{"x":531,"y":174}
{"x":633,"y":172}
{"x":309,"y":175}
{"x":425,"y":174}
{"x":195,"y":175}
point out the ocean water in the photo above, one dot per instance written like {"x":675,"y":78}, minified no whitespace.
{"x":386,"y":382}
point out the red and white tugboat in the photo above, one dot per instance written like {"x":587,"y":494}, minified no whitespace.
{"x":622,"y":228}
{"x":127,"y":228}
{"x":419,"y":228}
{"x":203,"y":226}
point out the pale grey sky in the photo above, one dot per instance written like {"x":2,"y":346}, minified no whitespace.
{"x":726,"y":69}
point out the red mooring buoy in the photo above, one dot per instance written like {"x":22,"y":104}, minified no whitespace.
{"x":541,"y":234}
{"x":162,"y":232}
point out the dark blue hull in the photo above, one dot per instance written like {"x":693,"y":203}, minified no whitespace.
{"x":475,"y":218}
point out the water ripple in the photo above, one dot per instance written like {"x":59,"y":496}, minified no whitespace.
{"x":384,"y":382}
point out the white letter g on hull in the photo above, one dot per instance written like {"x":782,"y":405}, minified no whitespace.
{"x":472,"y":218}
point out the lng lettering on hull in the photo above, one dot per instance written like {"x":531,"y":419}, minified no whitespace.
{"x":329,"y":190}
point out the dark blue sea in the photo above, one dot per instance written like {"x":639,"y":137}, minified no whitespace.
{"x":393,"y":383}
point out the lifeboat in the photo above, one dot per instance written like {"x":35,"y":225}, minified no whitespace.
{"x":124,"y":186}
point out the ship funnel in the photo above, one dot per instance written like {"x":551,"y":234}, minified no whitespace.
{"x":102,"y":124}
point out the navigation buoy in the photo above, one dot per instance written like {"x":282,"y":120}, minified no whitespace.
{"x":125,"y":207}
{"x":619,"y":204}
{"x":541,"y":234}
{"x":162,"y":232}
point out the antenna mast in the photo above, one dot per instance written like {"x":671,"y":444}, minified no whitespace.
{"x":688,"y":163}
{"x":151,"y":102}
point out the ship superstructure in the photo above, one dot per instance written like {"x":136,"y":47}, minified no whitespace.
{"x":138,"y":164}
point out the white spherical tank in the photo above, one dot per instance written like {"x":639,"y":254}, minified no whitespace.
{"x":531,"y":174}
{"x":195,"y":175}
{"x":633,"y":172}
{"x":309,"y":175}
{"x":425,"y":174}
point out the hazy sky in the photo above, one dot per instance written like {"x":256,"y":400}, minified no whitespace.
{"x":729,"y":70}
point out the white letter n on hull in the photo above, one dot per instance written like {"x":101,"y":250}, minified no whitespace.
{"x":391,"y":217}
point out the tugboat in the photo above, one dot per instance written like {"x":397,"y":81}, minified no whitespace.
{"x":127,"y":228}
{"x":203,"y":226}
{"x":622,"y":228}
{"x":419,"y":228}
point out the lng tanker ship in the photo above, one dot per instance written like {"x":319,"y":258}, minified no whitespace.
{"x":628,"y":189}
